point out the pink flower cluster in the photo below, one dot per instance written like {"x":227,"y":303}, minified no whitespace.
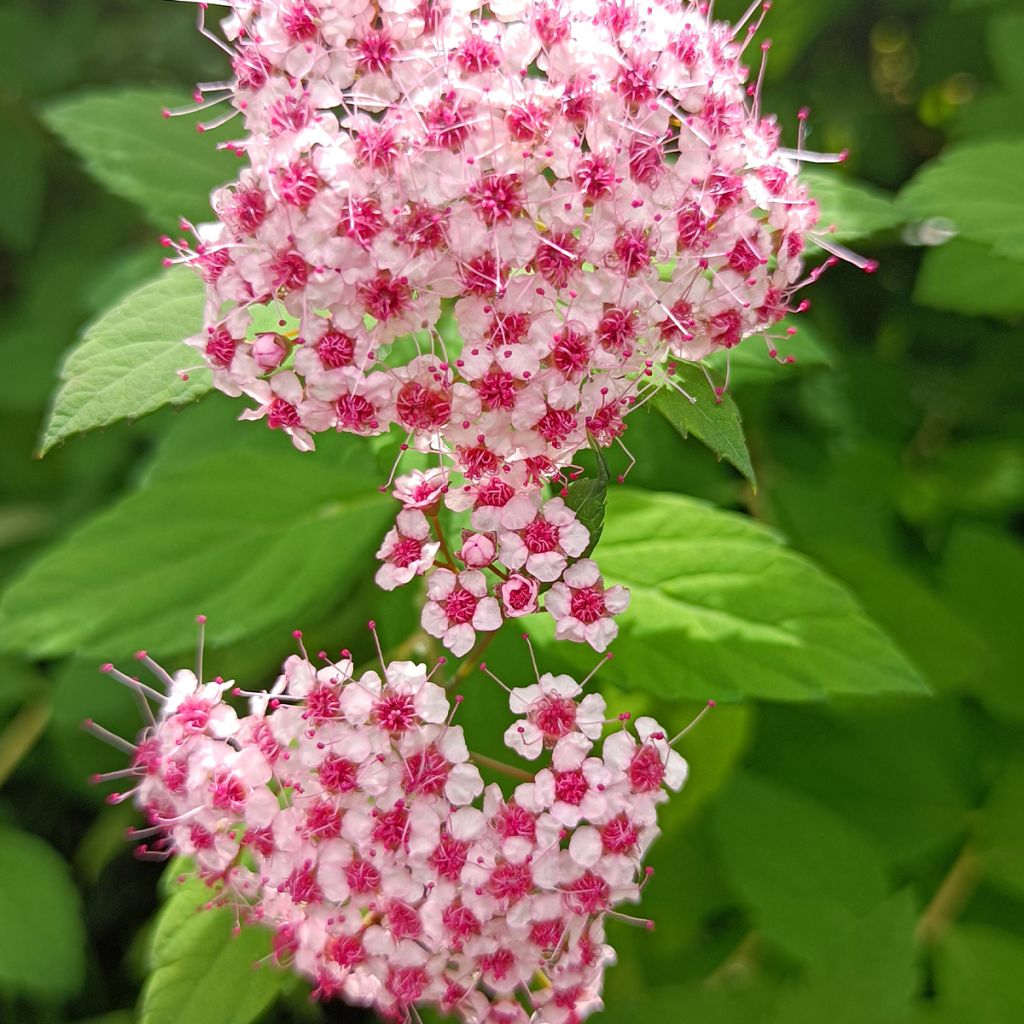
{"x":344,"y":812}
{"x":493,"y":223}
{"x":528,"y":544}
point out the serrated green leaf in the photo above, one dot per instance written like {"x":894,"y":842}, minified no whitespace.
{"x":978,"y":976}
{"x":42,"y":941}
{"x":855,"y":208}
{"x":714,"y":421}
{"x":805,"y":873}
{"x":968,"y":277}
{"x":248,"y":536}
{"x":162,"y":164}
{"x":127,"y":363}
{"x":201,"y":971}
{"x":977,"y":186}
{"x":721,"y":608}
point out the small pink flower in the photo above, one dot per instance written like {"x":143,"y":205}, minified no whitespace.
{"x":269,"y":351}
{"x":457,"y":606}
{"x":582,"y":606}
{"x":406,"y":551}
{"x":422,"y":489}
{"x":552,"y":712}
{"x":518,"y":595}
{"x":541,"y":540}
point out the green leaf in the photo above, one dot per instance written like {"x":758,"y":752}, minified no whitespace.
{"x":587,"y":497}
{"x":1000,"y":831}
{"x":863,"y":972}
{"x":805,"y":873}
{"x":127,"y":363}
{"x":978,"y":975}
{"x":967,"y":277}
{"x":713,"y":420}
{"x":983,"y":577}
{"x":250,"y":536}
{"x":162,"y":164}
{"x":977,"y":186}
{"x":855,"y":208}
{"x":1005,"y":46}
{"x":201,"y":971}
{"x":42,"y":941}
{"x":721,"y":608}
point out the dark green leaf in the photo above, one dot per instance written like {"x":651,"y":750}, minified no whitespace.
{"x":968,"y":277}
{"x":42,"y":940}
{"x":712,"y":419}
{"x":163,"y":164}
{"x":979,"y":976}
{"x":1000,"y":831}
{"x":587,"y":497}
{"x":806,"y":873}
{"x":127,"y":363}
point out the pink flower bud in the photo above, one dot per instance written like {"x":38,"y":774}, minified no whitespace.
{"x":478,"y":550}
{"x":518,"y":595}
{"x":269,"y":351}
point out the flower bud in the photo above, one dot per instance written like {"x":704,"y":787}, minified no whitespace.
{"x":478,"y":550}
{"x":269,"y":351}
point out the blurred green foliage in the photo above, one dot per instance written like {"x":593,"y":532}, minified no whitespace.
{"x":838,"y":854}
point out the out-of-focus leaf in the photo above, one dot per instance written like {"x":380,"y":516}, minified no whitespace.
{"x":714,"y":421}
{"x":855,"y":208}
{"x":697,"y":1005}
{"x":42,"y":941}
{"x":863,"y":972}
{"x":968,"y":277}
{"x":1005,"y":46}
{"x":979,"y":976}
{"x":983,"y":577}
{"x":247,"y":536}
{"x":900,"y":770}
{"x":162,"y":164}
{"x":127,"y":363}
{"x":805,"y":873}
{"x":977,"y":186}
{"x":1000,"y":831}
{"x":201,"y":971}
{"x":721,"y":608}
{"x":23,"y":172}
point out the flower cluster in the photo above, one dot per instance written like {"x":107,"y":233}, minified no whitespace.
{"x":343,"y":812}
{"x":493,"y":223}
{"x":537,"y":543}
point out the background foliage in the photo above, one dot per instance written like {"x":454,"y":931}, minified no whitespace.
{"x":851,"y":844}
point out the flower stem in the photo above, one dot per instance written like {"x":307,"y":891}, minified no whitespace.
{"x":952,"y":895}
{"x":482,"y":761}
{"x":21,"y":734}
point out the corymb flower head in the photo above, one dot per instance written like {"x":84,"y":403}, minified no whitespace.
{"x":492,"y":224}
{"x":347,"y":813}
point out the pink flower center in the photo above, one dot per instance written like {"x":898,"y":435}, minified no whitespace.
{"x":362,"y":877}
{"x":554,"y":716}
{"x":595,"y":176}
{"x":540,"y":536}
{"x":298,"y":184}
{"x":477,"y":54}
{"x":571,"y":787}
{"x":619,"y":835}
{"x":508,"y":329}
{"x":406,"y":551}
{"x":498,"y":964}
{"x":519,"y":596}
{"x":228,"y":792}
{"x":632,"y":250}
{"x":345,"y":950}
{"x":385,"y":297}
{"x":497,"y":390}
{"x":323,"y":821}
{"x":744,"y":257}
{"x":391,"y":828}
{"x":377,"y":147}
{"x":336,"y":349}
{"x":356,"y":413}
{"x":403,"y":922}
{"x":515,"y":822}
{"x":193,"y":714}
{"x":460,"y":606}
{"x":556,"y":425}
{"x":589,"y":894}
{"x":447,"y":121}
{"x":407,"y":984}
{"x":298,"y":21}
{"x":322,"y":704}
{"x":395,"y":712}
{"x":527,"y":122}
{"x":510,"y":882}
{"x":282,"y":414}
{"x":361,"y":220}
{"x":571,"y":352}
{"x":422,"y":408}
{"x":557,"y":257}
{"x":337,"y":775}
{"x":376,"y":51}
{"x":547,"y":934}
{"x":449,"y":857}
{"x":288,"y":270}
{"x":246,"y":210}
{"x":301,"y":885}
{"x":587,"y":605}
{"x":460,"y":923}
{"x":495,"y":493}
{"x":426,"y":772}
{"x":497,"y":198}
{"x":646,"y":770}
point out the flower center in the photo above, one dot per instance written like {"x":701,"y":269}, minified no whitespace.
{"x":587,"y":605}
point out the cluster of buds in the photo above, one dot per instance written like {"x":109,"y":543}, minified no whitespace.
{"x":527,"y":544}
{"x":497,"y":224}
{"x":345,"y":813}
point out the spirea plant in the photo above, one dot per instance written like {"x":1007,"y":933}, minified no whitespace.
{"x":487,"y":236}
